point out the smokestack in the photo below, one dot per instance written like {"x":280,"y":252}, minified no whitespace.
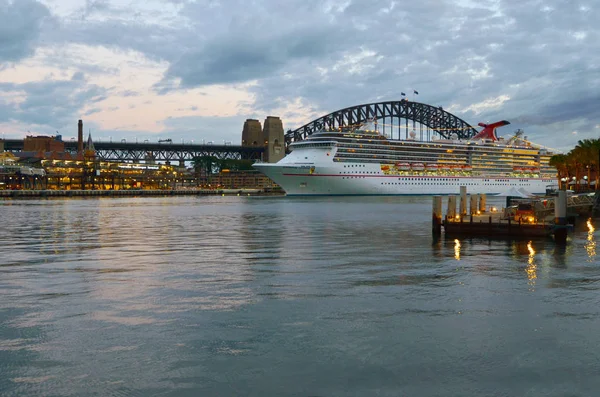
{"x":80,"y":137}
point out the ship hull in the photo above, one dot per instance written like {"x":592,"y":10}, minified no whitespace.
{"x":306,"y":180}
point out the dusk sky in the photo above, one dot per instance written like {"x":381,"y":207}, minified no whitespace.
{"x":194,"y":70}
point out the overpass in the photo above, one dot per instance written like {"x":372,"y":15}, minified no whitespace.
{"x":126,"y":151}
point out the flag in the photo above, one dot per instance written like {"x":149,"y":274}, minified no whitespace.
{"x":416,"y":92}
{"x":403,"y":94}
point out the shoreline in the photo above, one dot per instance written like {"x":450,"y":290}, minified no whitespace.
{"x":134,"y":193}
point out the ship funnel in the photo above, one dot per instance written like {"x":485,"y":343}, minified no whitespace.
{"x":489,"y":130}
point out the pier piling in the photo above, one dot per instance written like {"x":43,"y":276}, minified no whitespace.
{"x":482,"y":203}
{"x":436,"y":220}
{"x":473,"y":205}
{"x":451,"y":212}
{"x":560,"y":217}
{"x":463,"y":201}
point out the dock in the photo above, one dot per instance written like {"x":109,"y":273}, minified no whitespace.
{"x":481,"y":221}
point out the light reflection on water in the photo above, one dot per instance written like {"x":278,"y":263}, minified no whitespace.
{"x":282,"y":296}
{"x":531,"y":267}
{"x":590,"y":245}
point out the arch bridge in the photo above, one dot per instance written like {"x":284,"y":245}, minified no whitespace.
{"x":398,"y":120}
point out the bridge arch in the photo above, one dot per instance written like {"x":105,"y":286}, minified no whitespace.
{"x":433,"y":118}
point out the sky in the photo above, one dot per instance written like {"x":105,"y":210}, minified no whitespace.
{"x":194,"y":70}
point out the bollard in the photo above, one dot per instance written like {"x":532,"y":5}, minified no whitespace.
{"x":560,"y":217}
{"x":436,"y":218}
{"x":463,"y":201}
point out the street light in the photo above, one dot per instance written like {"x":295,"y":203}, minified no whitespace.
{"x":564,"y":183}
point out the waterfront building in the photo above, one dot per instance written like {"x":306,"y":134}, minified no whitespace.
{"x":106,"y":175}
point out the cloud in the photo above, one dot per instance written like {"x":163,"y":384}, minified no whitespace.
{"x":50,"y":103}
{"x":21,"y":22}
{"x":585,"y":108}
{"x":198,"y":128}
{"x":233,"y":59}
{"x":129,"y":93}
{"x":537,"y":65}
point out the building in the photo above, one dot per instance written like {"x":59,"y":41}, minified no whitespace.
{"x":104,"y":175}
{"x":15,"y":175}
{"x":270,"y":136}
{"x":44,"y":144}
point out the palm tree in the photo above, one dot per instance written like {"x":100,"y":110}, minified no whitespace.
{"x":559,"y":161}
{"x":587,"y":153}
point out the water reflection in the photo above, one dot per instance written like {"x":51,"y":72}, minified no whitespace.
{"x":590,"y":245}
{"x":457,"y":249}
{"x":223,"y":288}
{"x":531,"y":268}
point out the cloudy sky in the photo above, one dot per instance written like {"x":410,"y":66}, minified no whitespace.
{"x":196,"y":69}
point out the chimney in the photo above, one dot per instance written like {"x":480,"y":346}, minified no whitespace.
{"x":80,"y":137}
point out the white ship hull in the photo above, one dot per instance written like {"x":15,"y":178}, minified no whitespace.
{"x":368,"y":179}
{"x":364,"y":162}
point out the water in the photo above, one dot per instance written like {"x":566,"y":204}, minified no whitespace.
{"x":231,"y":296}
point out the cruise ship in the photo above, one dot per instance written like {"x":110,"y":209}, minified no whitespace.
{"x":363,"y":161}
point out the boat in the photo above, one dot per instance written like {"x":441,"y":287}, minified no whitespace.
{"x":431,"y":167}
{"x":362,"y":161}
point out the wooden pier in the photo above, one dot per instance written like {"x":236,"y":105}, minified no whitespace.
{"x":484,"y":222}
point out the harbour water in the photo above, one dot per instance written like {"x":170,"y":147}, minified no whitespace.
{"x":275,"y":296}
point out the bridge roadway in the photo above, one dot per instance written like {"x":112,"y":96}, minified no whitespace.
{"x":126,"y":151}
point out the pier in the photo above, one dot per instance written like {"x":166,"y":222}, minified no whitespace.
{"x":512,"y":222}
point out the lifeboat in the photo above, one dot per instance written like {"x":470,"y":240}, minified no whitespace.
{"x":444,"y":167}
{"x":517,"y":169}
{"x":403,"y":166}
{"x":431,"y":167}
{"x":467,"y":168}
{"x":535,"y":170}
{"x":385,"y":168}
{"x":417,"y":166}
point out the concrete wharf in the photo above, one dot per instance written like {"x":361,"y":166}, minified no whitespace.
{"x":133,"y":193}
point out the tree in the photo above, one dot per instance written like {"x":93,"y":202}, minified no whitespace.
{"x":205,"y":166}
{"x":560,"y":161}
{"x":588,"y":152}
